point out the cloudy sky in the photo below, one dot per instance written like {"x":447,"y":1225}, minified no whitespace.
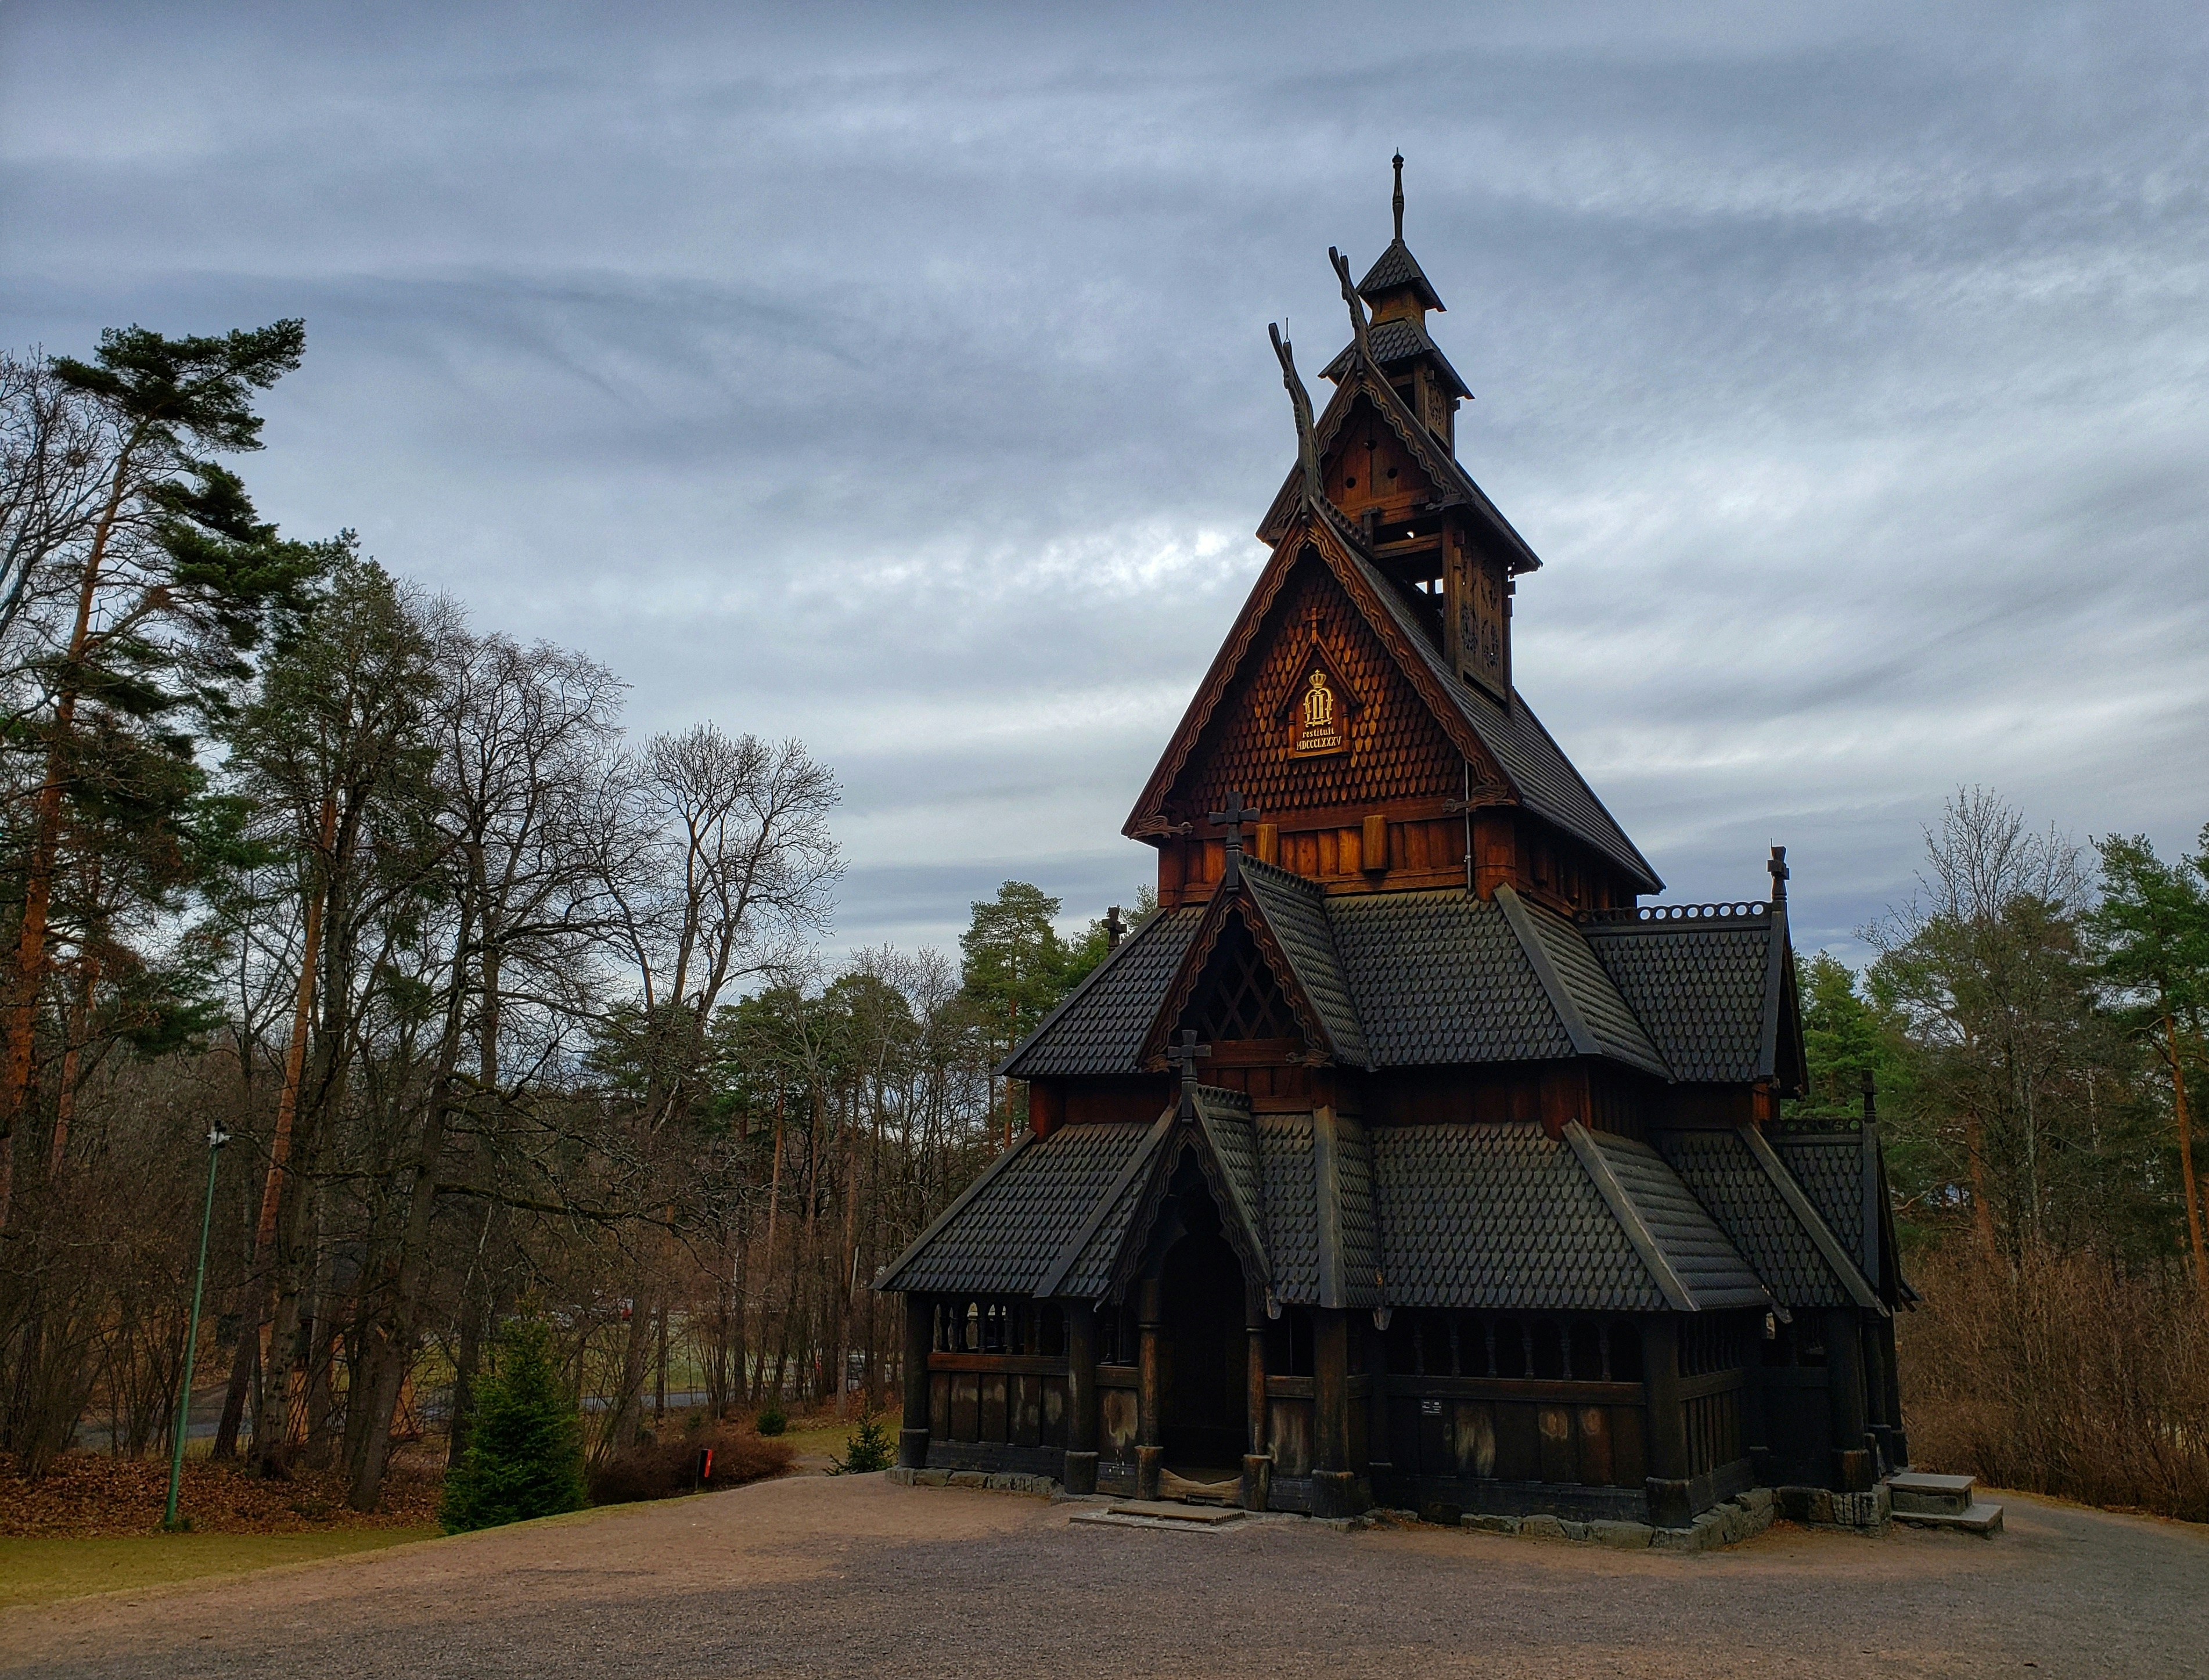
{"x":896,"y":377}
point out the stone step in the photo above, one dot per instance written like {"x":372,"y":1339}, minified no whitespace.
{"x":1978,"y":1518}
{"x":1174,"y":1511}
{"x":1162,"y":1514}
{"x":1922,"y":1493}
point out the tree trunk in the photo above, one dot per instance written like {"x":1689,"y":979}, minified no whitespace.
{"x":391,"y":1344}
{"x":19,"y":1023}
{"x":2185,"y":1154}
{"x":253,"y":1340}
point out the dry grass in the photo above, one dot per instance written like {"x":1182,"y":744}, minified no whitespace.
{"x":668,"y":1467}
{"x":38,"y":1571}
{"x":2069,"y":1377}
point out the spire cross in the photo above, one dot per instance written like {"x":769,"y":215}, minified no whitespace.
{"x":1114,"y":928}
{"x":1186,"y":1055}
{"x":1778,"y":871}
{"x":1398,"y":202}
{"x":1232,"y":820}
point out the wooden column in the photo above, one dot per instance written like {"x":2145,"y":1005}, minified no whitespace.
{"x":1334,"y":1484}
{"x":1898,"y":1437}
{"x":1665,"y":1425}
{"x":1149,"y":1451}
{"x":1380,"y":1456}
{"x":920,"y":1338}
{"x":1845,"y":1400}
{"x":1080,"y":1475}
{"x":1257,"y":1462}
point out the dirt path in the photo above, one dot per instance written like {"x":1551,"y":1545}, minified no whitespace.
{"x":855,"y":1577}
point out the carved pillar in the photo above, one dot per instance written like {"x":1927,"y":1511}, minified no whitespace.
{"x":1665,"y":1426}
{"x":1080,"y":1475}
{"x":919,"y":1338}
{"x":1150,"y":1452}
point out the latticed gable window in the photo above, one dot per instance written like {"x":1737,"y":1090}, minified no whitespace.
{"x":1237,"y":996}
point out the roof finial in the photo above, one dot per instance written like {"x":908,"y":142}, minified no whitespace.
{"x":1398,"y":202}
{"x":1360,"y":334}
{"x":1300,"y":400}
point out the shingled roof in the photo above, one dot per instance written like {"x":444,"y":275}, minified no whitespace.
{"x":1702,"y":986}
{"x":1456,"y":1215}
{"x":1829,"y":1165}
{"x":1394,"y":268}
{"x":1295,"y":911}
{"x":1001,"y":1237}
{"x":1768,"y":1215}
{"x":1395,"y":342}
{"x":1430,"y":979}
{"x":1508,"y":1218}
{"x":1099,"y":1029}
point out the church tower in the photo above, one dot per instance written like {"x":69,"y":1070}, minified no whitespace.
{"x":1363,"y":700}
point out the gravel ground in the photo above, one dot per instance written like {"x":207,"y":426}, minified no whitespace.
{"x":854,"y":1577}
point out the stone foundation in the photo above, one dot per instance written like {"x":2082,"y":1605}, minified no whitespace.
{"x":1723,"y":1525}
{"x":1867,"y":1512}
{"x":987,"y":1481}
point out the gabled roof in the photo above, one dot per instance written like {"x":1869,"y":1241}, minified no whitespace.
{"x":1395,"y":342}
{"x":1512,"y":739}
{"x":1443,"y":980}
{"x":1098,"y":1030}
{"x":1709,"y":982}
{"x":1237,"y":1182}
{"x":1294,"y":910}
{"x":1355,"y":376}
{"x":1845,"y":1174}
{"x":1586,"y":1003}
{"x":1678,"y":1241}
{"x":1768,"y":1215}
{"x":1290,"y":932}
{"x":1394,"y":268}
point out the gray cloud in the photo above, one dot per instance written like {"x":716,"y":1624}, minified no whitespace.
{"x":897,"y":379}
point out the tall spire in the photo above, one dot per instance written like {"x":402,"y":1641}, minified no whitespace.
{"x":1397,"y":203}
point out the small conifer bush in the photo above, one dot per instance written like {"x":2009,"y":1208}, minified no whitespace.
{"x":525,"y":1457}
{"x":772,"y":1419}
{"x":867,"y":1449}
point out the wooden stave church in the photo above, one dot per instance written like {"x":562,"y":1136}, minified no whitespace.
{"x":1476,"y":1202}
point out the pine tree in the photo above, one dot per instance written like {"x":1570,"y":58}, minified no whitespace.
{"x":525,"y":1456}
{"x":867,"y":1449}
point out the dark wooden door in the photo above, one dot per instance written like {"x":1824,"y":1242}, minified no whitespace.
{"x":1205,"y":1400}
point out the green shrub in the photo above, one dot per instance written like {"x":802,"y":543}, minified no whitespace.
{"x":867,"y":1449}
{"x":772,"y":1419}
{"x":525,"y":1455}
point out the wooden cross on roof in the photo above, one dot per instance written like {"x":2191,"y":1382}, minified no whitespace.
{"x":1232,"y":820}
{"x":1114,"y":928}
{"x":1186,"y":1053}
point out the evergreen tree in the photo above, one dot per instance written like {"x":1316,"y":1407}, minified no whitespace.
{"x":525,"y":1456}
{"x":2152,"y":932}
{"x":867,"y":1449}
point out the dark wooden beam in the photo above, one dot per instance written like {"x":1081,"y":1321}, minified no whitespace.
{"x":919,"y":1336}
{"x":1080,"y":1398}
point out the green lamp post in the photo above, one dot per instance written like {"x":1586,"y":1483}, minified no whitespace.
{"x":216,"y":1138}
